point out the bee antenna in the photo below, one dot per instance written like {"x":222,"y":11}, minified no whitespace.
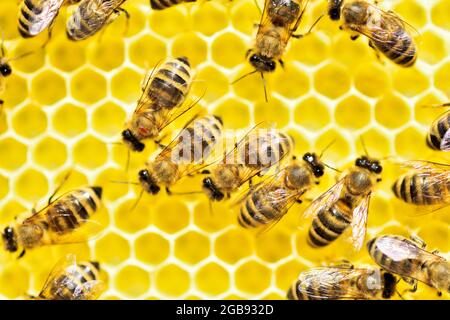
{"x":363,"y":145}
{"x":327,"y":147}
{"x":210,"y":208}
{"x":2,"y":46}
{"x":442,"y":105}
{"x":332,"y":168}
{"x":185,"y":193}
{"x":244,"y":76}
{"x":264,"y":85}
{"x":125,"y":182}
{"x":21,"y":56}
{"x":127,"y":166}
{"x":258,"y":6}
{"x":137,"y":201}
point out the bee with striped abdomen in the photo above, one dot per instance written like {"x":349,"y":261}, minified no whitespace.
{"x":438,"y":137}
{"x":91,"y":16}
{"x":269,"y":201}
{"x":72,"y":280}
{"x":256,"y":152}
{"x":427,"y":185}
{"x":345,"y":205}
{"x":64,"y":220}
{"x":410,"y":260}
{"x":387,"y":32}
{"x":279,"y":21}
{"x":164,"y":4}
{"x":162,"y":96}
{"x":37,"y":15}
{"x":185,"y":155}
{"x":343,"y":283}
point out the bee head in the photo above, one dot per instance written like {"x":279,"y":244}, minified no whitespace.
{"x":10,"y":239}
{"x":211,"y":190}
{"x":130,"y":139}
{"x":5,"y":69}
{"x":148,"y":182}
{"x":373,"y":166}
{"x":334,"y":9}
{"x":390,"y":283}
{"x":261,"y":63}
{"x":316,"y":166}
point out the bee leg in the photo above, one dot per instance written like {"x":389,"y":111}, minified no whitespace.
{"x":418,"y":241}
{"x":228,"y":195}
{"x":205,"y":171}
{"x":250,"y":183}
{"x":281,"y":63}
{"x":21,"y":254}
{"x":354,"y":37}
{"x":168,"y":191}
{"x":299,"y":201}
{"x":159,"y":144}
{"x":439,"y":293}
{"x":345,"y":264}
{"x":127,"y":16}
{"x":411,"y":282}
{"x":50,"y":199}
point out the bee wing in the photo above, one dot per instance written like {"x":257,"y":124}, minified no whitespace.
{"x":326,"y":199}
{"x":359,"y":222}
{"x":89,"y":290}
{"x":59,"y":270}
{"x":445,"y":143}
{"x":331,"y":283}
{"x":41,"y":20}
{"x":380,"y":31}
{"x":97,"y":12}
{"x":428,"y":166}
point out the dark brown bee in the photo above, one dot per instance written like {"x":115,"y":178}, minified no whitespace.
{"x":185,"y":155}
{"x":386,"y":31}
{"x":279,"y":21}
{"x":269,"y":201}
{"x":162,"y":96}
{"x":91,"y":16}
{"x":164,"y":4}
{"x":70,"y":280}
{"x":37,"y":15}
{"x":64,"y":220}
{"x":256,"y":152}
{"x":343,"y":283}
{"x":410,"y":260}
{"x":344,"y":205}
{"x":428,"y":184}
{"x":438,"y":137}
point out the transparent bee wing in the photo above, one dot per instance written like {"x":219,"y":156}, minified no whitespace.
{"x":326,"y":199}
{"x":90,"y":290}
{"x":359,"y":222}
{"x":332,"y":283}
{"x":445,"y":143}
{"x":43,"y":19}
{"x":58,"y":270}
{"x":88,"y":230}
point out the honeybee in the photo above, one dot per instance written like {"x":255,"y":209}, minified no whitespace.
{"x":386,"y":31}
{"x":252,"y":155}
{"x":410,"y":260}
{"x":438,"y":137}
{"x":70,"y":280}
{"x":162,"y":95}
{"x":63,"y":220}
{"x":428,"y":184}
{"x":164,"y":4}
{"x":279,"y":21}
{"x":343,"y":283}
{"x":37,"y":15}
{"x":269,"y":201}
{"x":185,"y":155}
{"x":345,"y":204}
{"x":92,"y":15}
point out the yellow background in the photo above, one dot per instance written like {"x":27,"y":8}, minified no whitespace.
{"x":65,"y":105}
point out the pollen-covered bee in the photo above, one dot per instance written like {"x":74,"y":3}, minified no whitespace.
{"x":160,"y":102}
{"x":427,"y":185}
{"x":72,"y":280}
{"x":164,"y":4}
{"x":386,"y":31}
{"x":37,"y":15}
{"x":269,"y":201}
{"x":185,"y":155}
{"x":63,"y":220}
{"x":438,"y":137}
{"x":344,"y":205}
{"x":409,"y":259}
{"x":343,"y":283}
{"x":256,"y":152}
{"x":91,"y":16}
{"x":279,"y":21}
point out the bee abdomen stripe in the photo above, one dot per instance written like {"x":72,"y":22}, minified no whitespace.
{"x":78,"y":207}
{"x":179,"y":67}
{"x":323,"y":232}
{"x":333,"y":220}
{"x":33,"y":8}
{"x":173,"y":76}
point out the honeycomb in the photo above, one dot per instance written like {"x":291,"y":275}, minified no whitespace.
{"x":65,"y":105}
